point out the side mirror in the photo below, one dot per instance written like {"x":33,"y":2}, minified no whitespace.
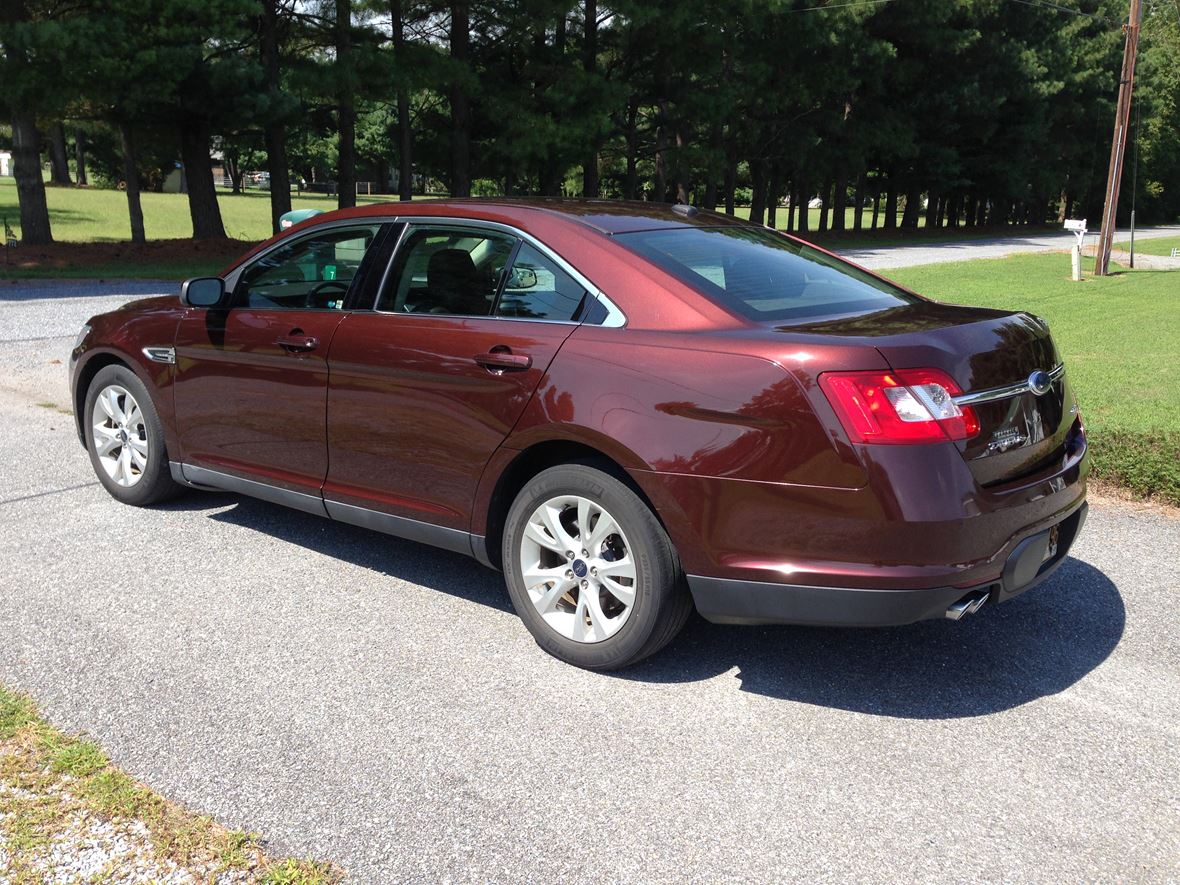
{"x":521,"y":278}
{"x":202,"y":292}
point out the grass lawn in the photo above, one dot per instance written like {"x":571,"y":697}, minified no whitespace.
{"x":1162,"y":246}
{"x":60,"y":794}
{"x":1120,"y":338}
{"x":100,"y":216}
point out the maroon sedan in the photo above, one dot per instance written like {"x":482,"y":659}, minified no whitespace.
{"x":630,"y":409}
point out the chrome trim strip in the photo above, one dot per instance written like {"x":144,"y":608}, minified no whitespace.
{"x":999,"y":393}
{"x":161,"y":354}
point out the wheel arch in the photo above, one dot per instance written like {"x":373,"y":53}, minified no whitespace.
{"x":519,"y":466}
{"x":95,"y":362}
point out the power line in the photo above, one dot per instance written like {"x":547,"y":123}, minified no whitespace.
{"x":1047,"y":4}
{"x":840,"y":5}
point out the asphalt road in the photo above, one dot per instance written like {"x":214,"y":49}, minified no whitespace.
{"x":375,"y":702}
{"x":885,"y":257}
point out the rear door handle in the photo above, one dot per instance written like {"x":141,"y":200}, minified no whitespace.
{"x":297,"y":343}
{"x":498,"y":361}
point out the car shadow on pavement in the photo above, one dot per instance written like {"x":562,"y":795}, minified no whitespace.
{"x":441,"y":570}
{"x":1035,"y":645}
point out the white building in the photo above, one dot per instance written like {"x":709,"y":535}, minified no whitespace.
{"x":5,"y":163}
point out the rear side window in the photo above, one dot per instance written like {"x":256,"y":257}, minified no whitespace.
{"x":762,"y":275}
{"x":536,"y":288}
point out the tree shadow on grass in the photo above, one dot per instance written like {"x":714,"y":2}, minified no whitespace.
{"x":1036,"y":645}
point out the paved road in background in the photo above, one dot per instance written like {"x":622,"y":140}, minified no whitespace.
{"x":884,"y":257}
{"x":375,"y":702}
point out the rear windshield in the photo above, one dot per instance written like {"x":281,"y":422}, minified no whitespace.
{"x":763,"y":275}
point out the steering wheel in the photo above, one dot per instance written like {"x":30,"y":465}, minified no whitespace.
{"x":314,"y":294}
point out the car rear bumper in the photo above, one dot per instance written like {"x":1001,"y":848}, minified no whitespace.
{"x":732,"y":601}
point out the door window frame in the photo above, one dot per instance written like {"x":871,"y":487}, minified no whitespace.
{"x":615,"y":318}
{"x":359,"y":286}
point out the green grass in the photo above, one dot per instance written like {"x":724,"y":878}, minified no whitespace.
{"x":96,"y":215}
{"x":1161,"y":246}
{"x":54,"y":779}
{"x":1120,"y":338}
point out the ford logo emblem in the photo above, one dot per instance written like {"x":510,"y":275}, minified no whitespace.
{"x":1039,"y":382}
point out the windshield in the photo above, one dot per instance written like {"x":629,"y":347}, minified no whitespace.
{"x":762,"y":275}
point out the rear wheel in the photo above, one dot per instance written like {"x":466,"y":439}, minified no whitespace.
{"x":591,"y":571}
{"x":126,"y":440}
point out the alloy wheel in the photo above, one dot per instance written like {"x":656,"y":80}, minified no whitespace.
{"x":577,"y":568}
{"x":120,"y":435}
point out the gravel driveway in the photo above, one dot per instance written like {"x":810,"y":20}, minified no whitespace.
{"x":376,"y":703}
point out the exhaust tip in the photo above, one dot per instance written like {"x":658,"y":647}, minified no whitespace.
{"x":968,"y":605}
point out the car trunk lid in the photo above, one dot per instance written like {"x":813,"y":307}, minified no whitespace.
{"x":990,"y":354}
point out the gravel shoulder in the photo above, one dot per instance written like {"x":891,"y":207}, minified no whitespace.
{"x":376,"y":703}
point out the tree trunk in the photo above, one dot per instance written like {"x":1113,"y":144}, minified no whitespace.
{"x":730,"y":183}
{"x":802,"y":217}
{"x":30,"y":185}
{"x":773,"y":188}
{"x":405,"y":135}
{"x":826,"y":198}
{"x":858,"y":196}
{"x":876,"y":206}
{"x":660,"y":185}
{"x":792,"y":201}
{"x":839,"y":202}
{"x":590,"y":183}
{"x":891,"y":205}
{"x":913,"y":207}
{"x":202,"y":192}
{"x":274,"y":132}
{"x":59,"y":163}
{"x":234,"y":171}
{"x":932,"y":202}
{"x":460,"y":103}
{"x":345,"y":108}
{"x":680,"y":178}
{"x":757,"y":191}
{"x":80,"y":156}
{"x":631,"y":181}
{"x":131,"y":177}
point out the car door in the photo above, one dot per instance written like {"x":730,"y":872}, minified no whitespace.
{"x":424,"y":388}
{"x":252,"y":377}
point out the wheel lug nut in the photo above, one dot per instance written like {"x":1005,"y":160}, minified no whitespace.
{"x":584,"y":553}
{"x":585,"y":585}
{"x":569,"y":572}
{"x":569,"y":554}
{"x":594,"y":571}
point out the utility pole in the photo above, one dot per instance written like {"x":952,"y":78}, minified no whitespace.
{"x":1119,"y":144}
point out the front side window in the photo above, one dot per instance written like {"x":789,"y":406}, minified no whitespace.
{"x":312,"y":273}
{"x":447,"y":271}
{"x":763,"y":275}
{"x":536,"y":288}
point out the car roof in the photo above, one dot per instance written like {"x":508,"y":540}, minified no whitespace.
{"x":605,"y":216}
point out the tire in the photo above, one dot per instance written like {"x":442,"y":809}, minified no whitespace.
{"x":126,"y":440}
{"x":609,"y":609}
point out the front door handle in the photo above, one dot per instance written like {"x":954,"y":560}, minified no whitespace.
{"x":297,"y":343}
{"x":500,"y":361}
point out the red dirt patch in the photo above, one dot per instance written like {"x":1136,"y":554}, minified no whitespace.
{"x":76,"y":256}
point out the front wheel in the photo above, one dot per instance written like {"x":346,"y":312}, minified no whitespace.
{"x":591,"y":571}
{"x":126,"y":440}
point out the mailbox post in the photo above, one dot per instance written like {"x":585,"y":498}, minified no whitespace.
{"x":1079,"y":230}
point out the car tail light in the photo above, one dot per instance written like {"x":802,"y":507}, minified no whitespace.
{"x":910,"y":406}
